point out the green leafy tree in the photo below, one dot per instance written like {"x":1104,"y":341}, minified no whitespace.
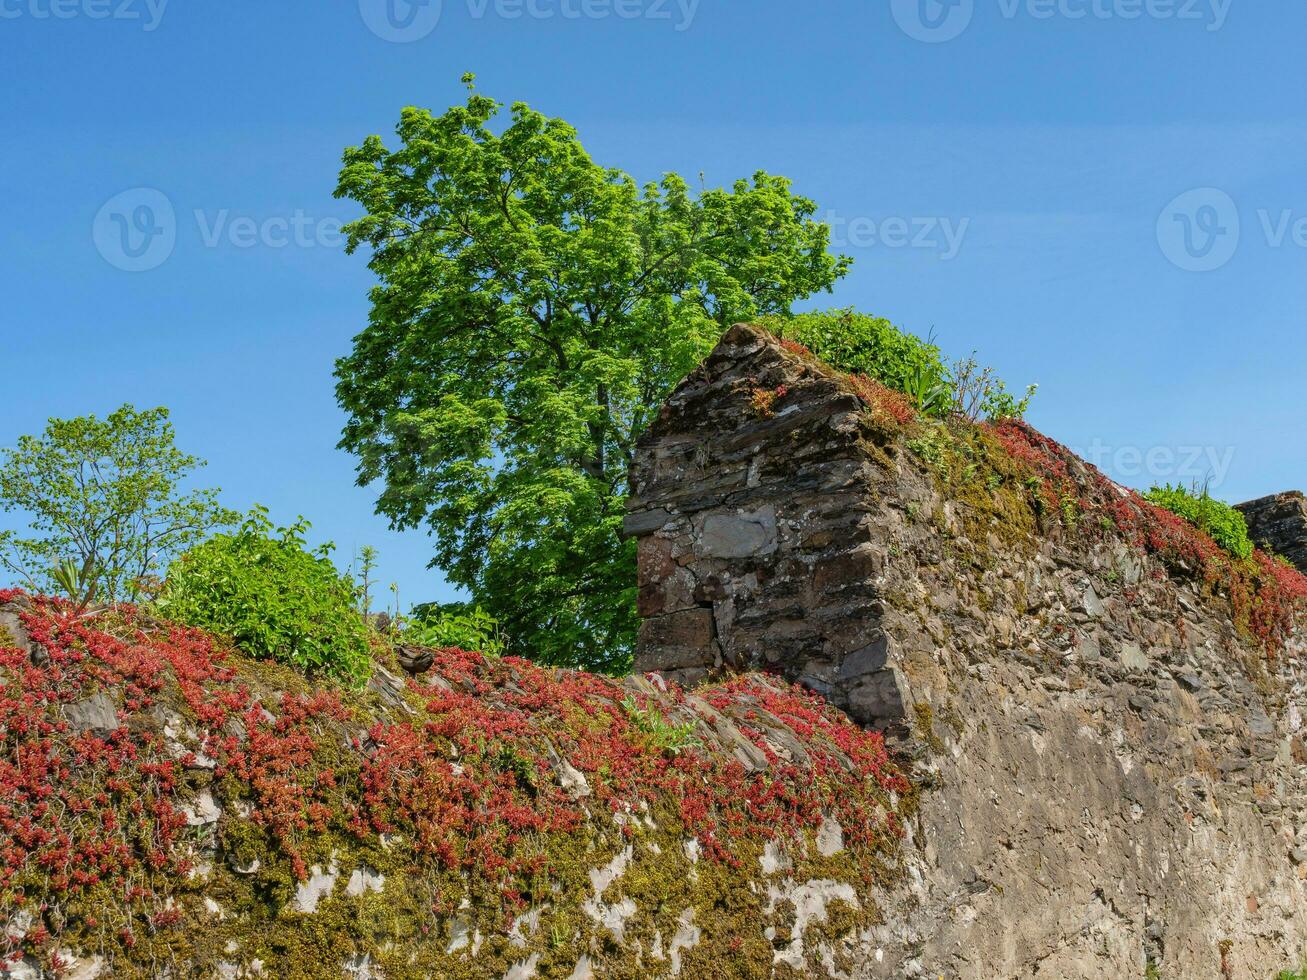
{"x":534,"y":308}
{"x":103,"y":503}
{"x":274,"y":597}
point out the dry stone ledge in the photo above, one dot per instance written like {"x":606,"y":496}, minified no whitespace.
{"x":1115,"y":777}
{"x":1278,"y":523}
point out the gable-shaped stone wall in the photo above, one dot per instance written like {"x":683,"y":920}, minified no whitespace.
{"x":1115,"y":774}
{"x":756,"y":506}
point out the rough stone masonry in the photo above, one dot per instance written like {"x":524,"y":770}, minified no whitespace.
{"x":1116,"y":777}
{"x":1279,"y":524}
{"x":758,"y":533}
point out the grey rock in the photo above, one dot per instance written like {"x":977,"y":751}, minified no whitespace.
{"x":1190,"y":681}
{"x":320,"y":884}
{"x":1278,"y":523}
{"x":739,"y":535}
{"x":364,"y":880}
{"x":202,"y":811}
{"x":830,"y":838}
{"x":1260,"y":725}
{"x":643,"y":522}
{"x":866,"y":660}
{"x":1133,"y":658}
{"x":12,"y":633}
{"x":1089,"y":648}
{"x":97,"y":714}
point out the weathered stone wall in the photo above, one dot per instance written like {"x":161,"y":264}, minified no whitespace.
{"x":1279,"y":523}
{"x":1116,"y":776}
{"x":757,"y":529}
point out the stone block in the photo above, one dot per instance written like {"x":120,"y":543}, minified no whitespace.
{"x":645,"y":522}
{"x":744,"y":534}
{"x":1278,"y":523}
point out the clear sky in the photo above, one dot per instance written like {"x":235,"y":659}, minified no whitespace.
{"x":1107,"y":197}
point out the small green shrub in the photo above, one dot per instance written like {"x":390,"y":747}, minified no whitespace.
{"x":979,"y":394}
{"x":931,"y":394}
{"x":662,"y":734}
{"x":935,"y":448}
{"x":276,"y":599}
{"x":455,"y":625}
{"x":1223,"y":523}
{"x":862,"y":344}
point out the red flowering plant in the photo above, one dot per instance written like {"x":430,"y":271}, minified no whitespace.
{"x":479,"y":779}
{"x":95,"y":793}
{"x":1265,"y":595}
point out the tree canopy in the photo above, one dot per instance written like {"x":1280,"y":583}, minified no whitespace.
{"x":533,"y":310}
{"x":103,"y":499}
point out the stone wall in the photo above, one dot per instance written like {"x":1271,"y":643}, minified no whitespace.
{"x":757,"y":530}
{"x":1116,"y":776}
{"x":1279,"y":524}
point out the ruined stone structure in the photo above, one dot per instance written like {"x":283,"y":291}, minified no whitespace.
{"x":487,"y":820}
{"x":1279,"y":524}
{"x":759,"y":531}
{"x":1098,"y":765}
{"x":1115,"y":775}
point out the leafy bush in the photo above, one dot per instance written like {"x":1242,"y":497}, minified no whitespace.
{"x":978,"y":394}
{"x":1225,"y":525}
{"x":862,"y":344}
{"x":455,"y":625}
{"x":276,"y":599}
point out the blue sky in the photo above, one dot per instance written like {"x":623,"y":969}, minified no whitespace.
{"x":1103,"y":196}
